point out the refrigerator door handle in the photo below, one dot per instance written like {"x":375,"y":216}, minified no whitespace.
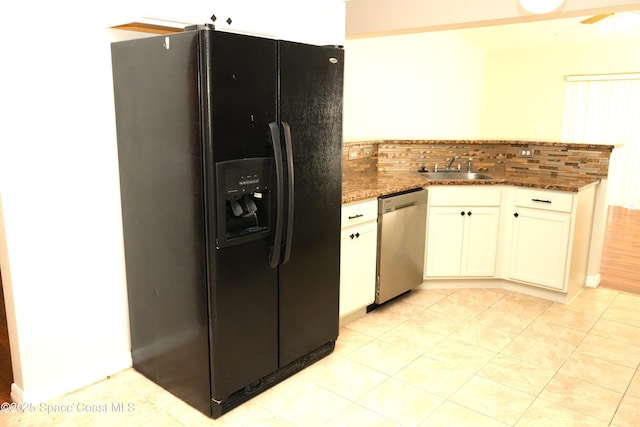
{"x":290,"y":189}
{"x":274,"y":133}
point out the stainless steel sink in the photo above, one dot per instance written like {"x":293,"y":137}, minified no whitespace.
{"x":454,"y":176}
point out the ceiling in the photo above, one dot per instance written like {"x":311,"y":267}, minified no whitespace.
{"x":620,"y":28}
{"x":495,"y":24}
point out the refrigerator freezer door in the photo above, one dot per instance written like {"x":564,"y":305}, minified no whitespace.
{"x":243,"y":95}
{"x":311,"y":103}
{"x":243,"y":288}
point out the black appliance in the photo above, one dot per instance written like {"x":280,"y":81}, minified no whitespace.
{"x":230,"y":152}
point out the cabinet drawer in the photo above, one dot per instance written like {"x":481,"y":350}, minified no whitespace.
{"x":544,"y":199}
{"x":468,"y":195}
{"x":359,"y":212}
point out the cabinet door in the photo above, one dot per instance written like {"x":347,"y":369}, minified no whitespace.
{"x":480,"y":242}
{"x":357,"y":267}
{"x":444,"y":241}
{"x":539,"y":247}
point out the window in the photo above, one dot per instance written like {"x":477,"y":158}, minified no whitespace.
{"x":605,"y":109}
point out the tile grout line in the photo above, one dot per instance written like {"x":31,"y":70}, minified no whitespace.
{"x":536,"y":397}
{"x":475,"y":374}
{"x":568,"y":357}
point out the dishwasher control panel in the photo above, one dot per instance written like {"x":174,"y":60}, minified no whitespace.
{"x":402,"y":200}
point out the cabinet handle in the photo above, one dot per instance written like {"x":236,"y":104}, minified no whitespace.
{"x":462,"y":213}
{"x":356,"y":216}
{"x":469,"y":213}
{"x":352,"y":236}
{"x":516,"y":215}
{"x":357,"y":234}
{"x":541,"y":201}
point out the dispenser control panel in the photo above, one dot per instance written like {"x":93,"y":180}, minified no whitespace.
{"x":243,"y":200}
{"x":245,"y":175}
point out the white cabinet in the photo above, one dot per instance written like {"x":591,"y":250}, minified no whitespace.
{"x":462,"y":231}
{"x":539,"y":247}
{"x":313,"y":22}
{"x":527,"y":239}
{"x":548,"y":238}
{"x":445,"y":231}
{"x":358,"y":256}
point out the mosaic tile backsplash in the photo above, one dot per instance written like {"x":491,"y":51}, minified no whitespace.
{"x":548,"y":159}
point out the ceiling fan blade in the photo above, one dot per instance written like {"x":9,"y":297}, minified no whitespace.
{"x":596,"y":18}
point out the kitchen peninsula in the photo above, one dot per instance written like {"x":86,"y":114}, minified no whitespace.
{"x":544,"y":209}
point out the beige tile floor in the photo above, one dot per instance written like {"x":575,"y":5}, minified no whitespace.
{"x":432,"y":358}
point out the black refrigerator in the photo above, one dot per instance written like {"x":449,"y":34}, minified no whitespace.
{"x":229,"y":151}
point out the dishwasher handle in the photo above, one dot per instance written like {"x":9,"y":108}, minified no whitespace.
{"x":406,"y":205}
{"x":398,"y":207}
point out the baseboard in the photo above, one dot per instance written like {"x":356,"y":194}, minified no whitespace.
{"x":593,"y":281}
{"x":71,"y":381}
{"x":534,"y":291}
{"x":17,"y":395}
{"x":353,"y":316}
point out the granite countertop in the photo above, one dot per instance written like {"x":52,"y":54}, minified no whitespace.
{"x":524,"y":142}
{"x":368,"y":185}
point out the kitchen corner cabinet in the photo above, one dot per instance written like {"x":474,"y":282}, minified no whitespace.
{"x":358,"y":255}
{"x":549,"y":237}
{"x":462,"y":231}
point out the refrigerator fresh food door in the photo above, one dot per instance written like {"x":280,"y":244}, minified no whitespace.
{"x":311,"y":105}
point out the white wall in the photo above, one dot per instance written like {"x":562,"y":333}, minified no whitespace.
{"x":524,"y":89}
{"x":436,"y":85}
{"x":425,"y":85}
{"x":61,"y":249}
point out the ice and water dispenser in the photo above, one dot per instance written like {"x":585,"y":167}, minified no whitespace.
{"x":243,"y":194}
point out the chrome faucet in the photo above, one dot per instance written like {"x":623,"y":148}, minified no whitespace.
{"x":450,"y":162}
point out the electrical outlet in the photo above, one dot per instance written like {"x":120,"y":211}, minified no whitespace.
{"x":525,"y":152}
{"x":353,"y":154}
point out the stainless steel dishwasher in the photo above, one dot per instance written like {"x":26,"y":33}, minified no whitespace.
{"x":402,"y":221}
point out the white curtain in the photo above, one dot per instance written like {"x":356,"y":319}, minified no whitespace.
{"x":606,"y":110}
